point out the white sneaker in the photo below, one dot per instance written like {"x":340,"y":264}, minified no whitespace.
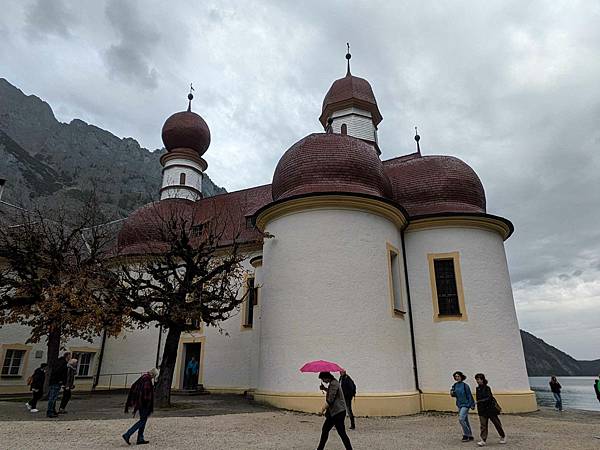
{"x":503,"y":440}
{"x":481,"y":443}
{"x":34,"y":410}
{"x":28,"y":406}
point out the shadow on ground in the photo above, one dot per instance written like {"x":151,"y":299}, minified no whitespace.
{"x":102,"y":406}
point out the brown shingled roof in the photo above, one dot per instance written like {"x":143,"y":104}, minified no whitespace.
{"x":140,"y":234}
{"x":186,"y":129}
{"x":330,"y":163}
{"x":350,"y":91}
{"x":435,"y":184}
{"x":321,"y":163}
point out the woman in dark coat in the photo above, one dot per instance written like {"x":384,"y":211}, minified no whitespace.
{"x":555,"y":387}
{"x":334,"y":410}
{"x":141,"y":399}
{"x":488,"y":410}
{"x":37,"y":387}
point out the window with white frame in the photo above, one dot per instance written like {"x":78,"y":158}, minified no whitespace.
{"x":85,"y":361}
{"x":13,"y":362}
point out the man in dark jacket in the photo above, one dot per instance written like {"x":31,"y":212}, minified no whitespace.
{"x":58,"y":377}
{"x":349,"y":389}
{"x":37,"y":387}
{"x":597,"y":387}
{"x":68,"y":386}
{"x":141,"y":398}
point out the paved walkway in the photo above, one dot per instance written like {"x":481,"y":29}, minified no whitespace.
{"x":103,"y":406}
{"x":228,"y":422}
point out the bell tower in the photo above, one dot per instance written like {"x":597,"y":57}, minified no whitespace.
{"x":350,"y":108}
{"x":186,"y":137}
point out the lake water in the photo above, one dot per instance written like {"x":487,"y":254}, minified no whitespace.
{"x":577,"y":392}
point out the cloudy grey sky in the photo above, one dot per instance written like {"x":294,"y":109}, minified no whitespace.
{"x":510,"y":87}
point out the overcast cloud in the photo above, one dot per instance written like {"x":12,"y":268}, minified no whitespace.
{"x":510,"y":87}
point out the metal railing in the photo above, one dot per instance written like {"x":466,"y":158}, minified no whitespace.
{"x":115,"y":380}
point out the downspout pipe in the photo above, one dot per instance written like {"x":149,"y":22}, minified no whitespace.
{"x":100,"y":358}
{"x":410,"y":321}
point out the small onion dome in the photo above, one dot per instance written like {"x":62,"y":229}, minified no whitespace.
{"x":435,"y":184}
{"x":186,"y":129}
{"x":347,"y":92}
{"x":144,"y":230}
{"x":322,"y":163}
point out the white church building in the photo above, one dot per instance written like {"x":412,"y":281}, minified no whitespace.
{"x":392,"y":269}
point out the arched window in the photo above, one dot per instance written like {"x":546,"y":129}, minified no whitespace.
{"x":182,"y":178}
{"x":344,"y":129}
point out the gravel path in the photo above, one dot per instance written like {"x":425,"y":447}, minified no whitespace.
{"x":287,"y":430}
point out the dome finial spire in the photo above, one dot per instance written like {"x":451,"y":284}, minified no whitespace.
{"x":348,"y":56}
{"x":190,"y":98}
{"x":417,"y":139}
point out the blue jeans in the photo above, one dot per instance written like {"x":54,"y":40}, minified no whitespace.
{"x":558,"y":399}
{"x":53,"y":392}
{"x":463,"y":419}
{"x":139,"y":426}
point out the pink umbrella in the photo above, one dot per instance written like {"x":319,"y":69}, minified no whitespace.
{"x":320,"y":366}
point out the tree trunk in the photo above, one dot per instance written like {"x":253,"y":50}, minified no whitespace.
{"x":167,"y":368}
{"x":52,"y":354}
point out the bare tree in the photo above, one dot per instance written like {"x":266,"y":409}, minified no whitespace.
{"x":54,"y":277}
{"x":188,"y":272}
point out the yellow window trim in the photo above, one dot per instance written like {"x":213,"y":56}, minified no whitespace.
{"x":395,"y":312}
{"x":16,"y":346}
{"x":455,"y":256}
{"x":83,"y":350}
{"x":244,"y":326}
{"x":179,"y":362}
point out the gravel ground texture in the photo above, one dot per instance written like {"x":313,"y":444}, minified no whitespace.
{"x":274,"y":429}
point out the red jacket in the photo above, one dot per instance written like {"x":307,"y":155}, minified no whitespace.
{"x":141,"y":395}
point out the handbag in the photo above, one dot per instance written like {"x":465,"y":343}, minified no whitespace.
{"x":496,"y":406}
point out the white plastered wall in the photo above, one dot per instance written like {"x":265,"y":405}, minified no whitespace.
{"x":358,"y":122}
{"x":229,"y":359}
{"x":325,"y":295}
{"x":171,"y":176}
{"x":489,"y":341}
{"x":19,"y":334}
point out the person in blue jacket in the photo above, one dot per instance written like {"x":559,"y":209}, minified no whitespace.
{"x":464,"y":401}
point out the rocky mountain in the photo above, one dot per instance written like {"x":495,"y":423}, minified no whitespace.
{"x":50,"y":162}
{"x":545,"y":360}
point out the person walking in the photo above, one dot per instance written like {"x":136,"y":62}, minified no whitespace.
{"x":191,"y":373}
{"x":334,"y":410}
{"x":597,"y":390}
{"x":349,"y":390}
{"x":555,"y":387}
{"x":58,"y":378}
{"x":36,"y":384}
{"x":68,"y":386}
{"x":488,"y":410}
{"x":141,"y":398}
{"x":464,"y":401}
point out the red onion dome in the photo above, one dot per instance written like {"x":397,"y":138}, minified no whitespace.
{"x":144,"y":230}
{"x":186,"y":129}
{"x":435,"y":184}
{"x":322,"y":163}
{"x":347,"y":92}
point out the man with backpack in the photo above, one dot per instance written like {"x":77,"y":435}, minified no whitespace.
{"x":349,"y":389}
{"x":36,"y":384}
{"x":141,"y":398}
